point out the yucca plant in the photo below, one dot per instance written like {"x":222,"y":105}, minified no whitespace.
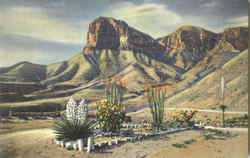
{"x":156,"y":98}
{"x":223,"y":106}
{"x":68,"y":130}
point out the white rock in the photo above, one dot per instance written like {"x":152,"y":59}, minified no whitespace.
{"x":80,"y":144}
{"x":62,"y":144}
{"x":75,"y":146}
{"x":69,"y":145}
{"x":90,"y":144}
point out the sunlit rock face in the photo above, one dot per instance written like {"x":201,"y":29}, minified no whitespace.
{"x":109,"y":33}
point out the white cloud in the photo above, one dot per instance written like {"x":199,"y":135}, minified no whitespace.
{"x":34,"y":22}
{"x":150,"y":17}
{"x":210,"y":4}
{"x":9,"y":57}
{"x":14,"y":49}
{"x":238,"y":21}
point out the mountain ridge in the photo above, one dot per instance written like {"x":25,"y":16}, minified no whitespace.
{"x":178,"y":60}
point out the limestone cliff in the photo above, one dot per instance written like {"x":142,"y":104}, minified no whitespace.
{"x":109,"y":33}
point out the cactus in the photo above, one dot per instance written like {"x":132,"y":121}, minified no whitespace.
{"x":156,"y":98}
{"x":115,"y":91}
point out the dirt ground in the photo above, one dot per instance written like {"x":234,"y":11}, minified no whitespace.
{"x":38,"y":144}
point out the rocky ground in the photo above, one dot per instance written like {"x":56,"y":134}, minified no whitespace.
{"x":38,"y":144}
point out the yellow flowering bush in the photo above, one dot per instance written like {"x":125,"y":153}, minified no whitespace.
{"x":111,"y":112}
{"x":110,"y":116}
{"x":184,"y":116}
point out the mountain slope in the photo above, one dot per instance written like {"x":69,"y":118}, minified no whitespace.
{"x":23,"y":72}
{"x":206,"y":92}
{"x":68,"y":70}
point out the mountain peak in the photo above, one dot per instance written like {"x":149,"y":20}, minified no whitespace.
{"x":190,"y":27}
{"x":109,"y":33}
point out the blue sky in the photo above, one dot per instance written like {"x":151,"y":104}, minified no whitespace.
{"x":48,"y":31}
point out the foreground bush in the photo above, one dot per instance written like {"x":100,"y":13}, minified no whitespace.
{"x":184,"y":117}
{"x":67,"y":130}
{"x":110,"y":116}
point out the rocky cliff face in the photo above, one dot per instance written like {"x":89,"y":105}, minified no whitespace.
{"x":189,"y":37}
{"x":237,"y":37}
{"x":188,"y":45}
{"x":196,"y":38}
{"x":109,"y":33}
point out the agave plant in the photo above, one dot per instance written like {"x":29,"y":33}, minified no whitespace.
{"x":68,"y":130}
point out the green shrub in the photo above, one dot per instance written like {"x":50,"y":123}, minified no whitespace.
{"x":127,"y":119}
{"x":67,"y":130}
{"x":177,"y":145}
{"x":189,"y":141}
{"x":217,"y":134}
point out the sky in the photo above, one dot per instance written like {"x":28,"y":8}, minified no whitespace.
{"x":49,"y":31}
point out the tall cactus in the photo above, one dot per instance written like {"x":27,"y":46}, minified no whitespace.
{"x":156,"y":98}
{"x":115,"y":91}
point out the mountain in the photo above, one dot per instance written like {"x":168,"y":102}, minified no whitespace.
{"x":179,"y":60}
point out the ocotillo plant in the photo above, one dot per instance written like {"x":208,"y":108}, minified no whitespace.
{"x":115,"y":90}
{"x":156,"y":98}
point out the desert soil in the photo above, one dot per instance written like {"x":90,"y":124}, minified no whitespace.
{"x":38,"y":144}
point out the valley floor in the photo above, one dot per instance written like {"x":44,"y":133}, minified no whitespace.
{"x":38,"y":144}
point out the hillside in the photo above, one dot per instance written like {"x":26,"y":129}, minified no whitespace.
{"x":23,"y":72}
{"x":206,"y":92}
{"x":73,"y":69}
